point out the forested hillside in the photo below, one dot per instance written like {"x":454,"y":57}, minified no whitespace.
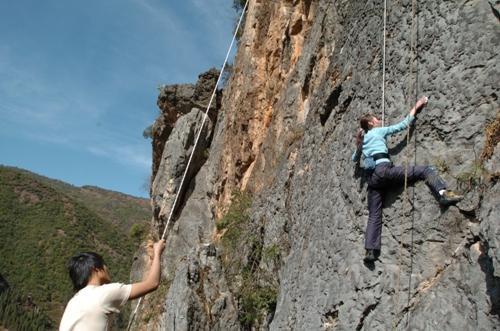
{"x":119,"y":208}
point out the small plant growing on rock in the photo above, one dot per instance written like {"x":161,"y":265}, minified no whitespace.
{"x":237,"y":213}
{"x":242,"y":243}
{"x":492,"y":133}
{"x":441,"y":165}
{"x":271,"y":253}
{"x":255,"y":300}
{"x":472,"y":177}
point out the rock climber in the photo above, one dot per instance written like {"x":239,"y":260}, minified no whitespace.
{"x":96,"y":297}
{"x":382,"y":174}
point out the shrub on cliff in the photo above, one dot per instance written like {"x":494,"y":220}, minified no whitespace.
{"x":238,"y":5}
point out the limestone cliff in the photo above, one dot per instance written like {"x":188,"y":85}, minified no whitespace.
{"x":286,"y":254}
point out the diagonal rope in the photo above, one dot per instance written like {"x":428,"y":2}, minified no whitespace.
{"x":179,"y":190}
{"x":204,"y":120}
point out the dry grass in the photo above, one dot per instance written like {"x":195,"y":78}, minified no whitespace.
{"x":492,"y":133}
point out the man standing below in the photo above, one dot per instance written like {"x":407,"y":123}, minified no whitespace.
{"x":96,"y":297}
{"x":382,"y":174}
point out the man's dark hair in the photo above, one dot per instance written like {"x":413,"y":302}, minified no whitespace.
{"x":80,"y":268}
{"x":364,"y":121}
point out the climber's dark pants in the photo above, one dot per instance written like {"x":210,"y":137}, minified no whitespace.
{"x":383,"y":177}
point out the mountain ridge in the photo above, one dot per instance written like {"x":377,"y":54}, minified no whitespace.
{"x":94,"y":197}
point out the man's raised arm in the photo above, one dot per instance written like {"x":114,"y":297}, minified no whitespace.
{"x":152,"y":281}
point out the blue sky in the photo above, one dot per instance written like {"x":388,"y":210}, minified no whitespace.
{"x":78,"y":81}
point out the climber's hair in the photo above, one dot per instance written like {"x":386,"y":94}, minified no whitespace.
{"x":364,"y":121}
{"x":81,"y":266}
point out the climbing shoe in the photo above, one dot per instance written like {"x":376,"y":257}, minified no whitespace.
{"x":370,"y":256}
{"x":449,"y":198}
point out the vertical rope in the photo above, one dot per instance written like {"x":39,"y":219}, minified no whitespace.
{"x":179,"y":190}
{"x":407,"y":206}
{"x":415,"y":64}
{"x":383,"y":64}
{"x":400,"y":254}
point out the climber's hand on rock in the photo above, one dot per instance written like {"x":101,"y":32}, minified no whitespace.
{"x":421,"y":102}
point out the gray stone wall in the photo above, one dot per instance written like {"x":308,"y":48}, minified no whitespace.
{"x":439,"y":267}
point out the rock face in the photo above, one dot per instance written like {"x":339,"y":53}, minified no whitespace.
{"x":199,"y":286}
{"x":174,"y":134}
{"x":304,"y":73}
{"x":193,"y":295}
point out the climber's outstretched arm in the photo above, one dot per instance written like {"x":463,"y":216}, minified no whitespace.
{"x":393,"y":129}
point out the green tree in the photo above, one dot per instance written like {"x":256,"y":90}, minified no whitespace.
{"x":138,"y":232}
{"x":148,"y":132}
{"x":238,"y":5}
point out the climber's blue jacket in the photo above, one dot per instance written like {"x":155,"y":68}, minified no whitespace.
{"x":374,"y":142}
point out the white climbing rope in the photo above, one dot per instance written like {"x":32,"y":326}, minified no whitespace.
{"x":204,"y":120}
{"x":179,"y":190}
{"x":406,"y":203}
{"x":383,"y":64}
